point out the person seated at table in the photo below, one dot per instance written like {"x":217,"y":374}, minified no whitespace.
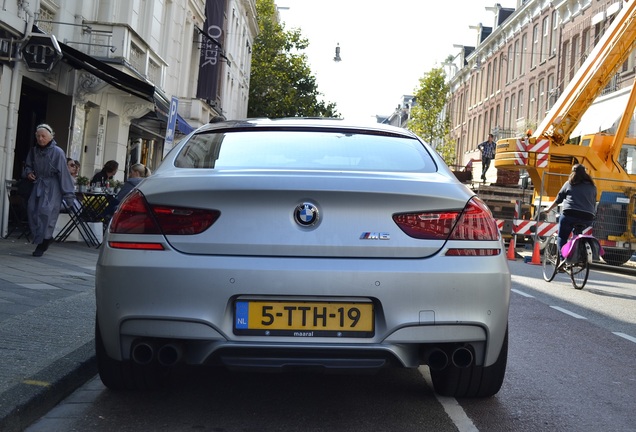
{"x":136,"y":174}
{"x":106,"y":174}
{"x":73,"y":168}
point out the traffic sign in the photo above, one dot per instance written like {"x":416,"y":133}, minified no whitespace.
{"x":171,"y":126}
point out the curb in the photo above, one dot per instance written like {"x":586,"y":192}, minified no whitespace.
{"x":26,"y":402}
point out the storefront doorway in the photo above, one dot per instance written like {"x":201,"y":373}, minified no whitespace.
{"x":39,"y":105}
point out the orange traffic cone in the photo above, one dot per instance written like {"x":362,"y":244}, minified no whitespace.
{"x":536,"y":254}
{"x":511,"y":249}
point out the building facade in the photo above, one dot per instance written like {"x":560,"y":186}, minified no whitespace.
{"x":519,"y":66}
{"x":105,"y":75}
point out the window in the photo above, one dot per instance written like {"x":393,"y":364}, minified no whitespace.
{"x":279,"y":149}
{"x":512,"y":121}
{"x":488,"y":79}
{"x":495,"y":76}
{"x":585,"y":44}
{"x":552,"y":91}
{"x":510,"y":65}
{"x":506,"y":113}
{"x":541,"y":105}
{"x":564,"y":61}
{"x":536,"y":52}
{"x":575,"y":61}
{"x":482,"y":85}
{"x":598,"y":32}
{"x":495,"y":121}
{"x":532,"y":106}
{"x":486,"y":127}
{"x":554,"y":38}
{"x":627,"y":158}
{"x":520,"y":113}
{"x":523,"y":54}
{"x":545,"y":42}
{"x":516,"y":66}
{"x":479,"y":124}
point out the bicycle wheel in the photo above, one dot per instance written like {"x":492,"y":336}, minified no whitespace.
{"x":579,"y":273}
{"x":550,"y":259}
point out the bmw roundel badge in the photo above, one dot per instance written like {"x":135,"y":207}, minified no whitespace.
{"x":306,"y":214}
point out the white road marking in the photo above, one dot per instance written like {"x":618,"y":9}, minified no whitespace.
{"x":521,"y":293}
{"x":625,"y":336}
{"x":455,"y":412}
{"x":41,"y":286}
{"x":565,"y":311}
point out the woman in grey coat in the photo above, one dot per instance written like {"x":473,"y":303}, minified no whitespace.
{"x":46,"y":168}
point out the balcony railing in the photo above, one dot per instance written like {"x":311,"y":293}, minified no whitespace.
{"x":119,"y":44}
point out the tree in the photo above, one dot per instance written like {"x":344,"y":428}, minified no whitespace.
{"x":428,"y":118}
{"x":281,"y":82}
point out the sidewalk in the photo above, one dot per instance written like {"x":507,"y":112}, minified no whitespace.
{"x":47,"y":315}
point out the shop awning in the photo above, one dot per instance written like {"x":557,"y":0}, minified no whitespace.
{"x":602,"y":115}
{"x":183,"y":126}
{"x":106,"y":72}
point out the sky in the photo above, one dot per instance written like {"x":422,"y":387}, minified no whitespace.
{"x":385,"y":46}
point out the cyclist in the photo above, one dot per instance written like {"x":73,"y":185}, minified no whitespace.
{"x":578,"y":196}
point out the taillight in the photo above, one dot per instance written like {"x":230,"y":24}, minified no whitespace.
{"x":474,"y":222}
{"x":136,"y":216}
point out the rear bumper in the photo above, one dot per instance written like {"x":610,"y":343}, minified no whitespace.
{"x":407,"y":347}
{"x":441,"y":302}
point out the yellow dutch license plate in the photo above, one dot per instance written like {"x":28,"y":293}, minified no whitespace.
{"x":304,"y":319}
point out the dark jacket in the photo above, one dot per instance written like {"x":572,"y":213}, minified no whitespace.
{"x":100,"y":178}
{"x":127,"y":187}
{"x":580,"y":197}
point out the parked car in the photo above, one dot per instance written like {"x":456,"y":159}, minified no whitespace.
{"x":302,"y":243}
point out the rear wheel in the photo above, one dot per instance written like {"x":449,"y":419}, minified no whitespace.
{"x":550,"y":259}
{"x":125,"y":375}
{"x":473,"y":381}
{"x":579,"y":273}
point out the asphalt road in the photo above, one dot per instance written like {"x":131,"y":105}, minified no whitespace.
{"x":572,"y":367}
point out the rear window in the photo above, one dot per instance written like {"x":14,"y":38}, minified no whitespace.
{"x":304,"y":150}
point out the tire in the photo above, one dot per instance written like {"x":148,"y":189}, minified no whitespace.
{"x":473,"y":381}
{"x":550,"y":260}
{"x":617,"y":257}
{"x":125,"y":375}
{"x":579,"y":273}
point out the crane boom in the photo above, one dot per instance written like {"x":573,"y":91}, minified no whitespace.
{"x":600,"y":66}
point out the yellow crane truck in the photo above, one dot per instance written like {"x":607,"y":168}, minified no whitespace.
{"x":548,"y":153}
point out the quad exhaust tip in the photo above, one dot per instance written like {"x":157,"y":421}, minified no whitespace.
{"x":169,"y":354}
{"x":143,"y":353}
{"x":461,"y":357}
{"x":437,"y":359}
